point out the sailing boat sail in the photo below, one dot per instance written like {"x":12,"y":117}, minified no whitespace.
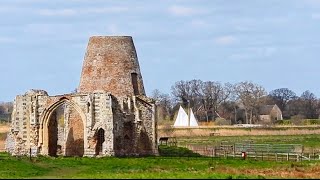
{"x":193,"y":121}
{"x":182,"y":118}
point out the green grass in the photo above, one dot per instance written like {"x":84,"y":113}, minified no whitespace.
{"x":147,"y":167}
{"x":175,"y":162}
{"x":308,"y":141}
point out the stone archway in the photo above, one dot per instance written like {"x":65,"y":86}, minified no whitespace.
{"x":53,"y":136}
{"x":62,"y":130}
{"x":56,"y":131}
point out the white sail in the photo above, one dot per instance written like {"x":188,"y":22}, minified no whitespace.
{"x":182,"y":118}
{"x":193,"y":120}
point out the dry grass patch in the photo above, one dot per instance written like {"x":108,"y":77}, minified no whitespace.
{"x":311,"y":172}
{"x":4,"y":129}
{"x":233,"y":131}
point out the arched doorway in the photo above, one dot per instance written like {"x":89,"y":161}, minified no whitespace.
{"x":53,"y":135}
{"x":65,"y":131}
{"x":100,"y":140}
{"x":55,"y":130}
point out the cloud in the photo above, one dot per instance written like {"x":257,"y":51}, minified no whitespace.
{"x":315,"y":16}
{"x":239,"y":56}
{"x":183,"y":11}
{"x":57,"y":12}
{"x":106,"y":10}
{"x":313,"y":3}
{"x":198,"y":23}
{"x":254,"y":53}
{"x":47,"y":29}
{"x":10,"y":9}
{"x":264,"y":51}
{"x":73,"y":12}
{"x":5,"y":40}
{"x":225,"y":40}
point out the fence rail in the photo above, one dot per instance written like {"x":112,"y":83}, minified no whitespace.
{"x":272,"y":152}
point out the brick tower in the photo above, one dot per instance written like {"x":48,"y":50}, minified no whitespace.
{"x":111,"y":64}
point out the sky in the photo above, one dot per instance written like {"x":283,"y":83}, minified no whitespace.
{"x":273,"y":43}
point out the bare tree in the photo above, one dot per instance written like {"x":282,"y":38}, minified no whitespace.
{"x":213,"y":94}
{"x":250,"y":95}
{"x":164,"y":103}
{"x":181,"y":91}
{"x":282,"y":96}
{"x":188,"y":93}
{"x":309,"y":104}
{"x":228,"y":110}
{"x":6,"y":107}
{"x":2,"y":110}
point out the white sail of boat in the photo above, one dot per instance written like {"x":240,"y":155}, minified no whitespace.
{"x":182,"y":118}
{"x":193,"y":120}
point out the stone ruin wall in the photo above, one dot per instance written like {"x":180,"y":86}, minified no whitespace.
{"x":129,"y":126}
{"x":25,"y":123}
{"x":29,"y":129}
{"x":147,"y":136}
{"x":135,"y":127}
{"x":124,"y":128}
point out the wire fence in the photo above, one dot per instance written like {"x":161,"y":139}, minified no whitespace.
{"x":266,"y":152}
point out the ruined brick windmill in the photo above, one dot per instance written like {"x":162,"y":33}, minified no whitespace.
{"x":109,"y":115}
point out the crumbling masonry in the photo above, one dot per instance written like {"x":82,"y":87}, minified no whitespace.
{"x":109,"y":115}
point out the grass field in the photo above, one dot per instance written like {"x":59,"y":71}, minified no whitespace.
{"x":308,"y":141}
{"x":168,"y":167}
{"x":153,"y":167}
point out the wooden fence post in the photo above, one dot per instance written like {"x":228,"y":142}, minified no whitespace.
{"x":30,"y":154}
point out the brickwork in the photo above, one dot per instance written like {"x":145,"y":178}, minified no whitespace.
{"x":75,"y":139}
{"x":111,"y":64}
{"x":109,"y":116}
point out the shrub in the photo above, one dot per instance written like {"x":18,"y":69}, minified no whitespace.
{"x":283,"y":122}
{"x":311,"y":121}
{"x":174,"y":151}
{"x":222,"y":121}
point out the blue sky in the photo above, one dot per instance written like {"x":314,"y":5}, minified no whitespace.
{"x":274,"y":43}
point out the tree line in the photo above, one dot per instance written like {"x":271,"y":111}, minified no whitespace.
{"x":5,"y":111}
{"x":210,"y":100}
{"x":6,"y":108}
